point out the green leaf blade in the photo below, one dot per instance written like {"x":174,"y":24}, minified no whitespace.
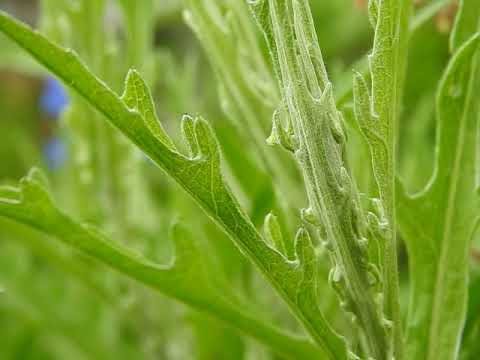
{"x":185,"y":280}
{"x":438,"y":223}
{"x":320,"y":152}
{"x":199,"y":176}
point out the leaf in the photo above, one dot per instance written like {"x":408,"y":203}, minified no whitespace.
{"x":273,"y":234}
{"x":186,"y":279}
{"x":377,"y":113}
{"x":344,"y":89}
{"x":248,"y":92}
{"x":138,"y":98}
{"x":229,"y":41}
{"x":438,"y":222}
{"x":199,"y":175}
{"x":320,"y":139}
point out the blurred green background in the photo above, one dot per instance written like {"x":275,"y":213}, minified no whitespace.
{"x":50,"y":308}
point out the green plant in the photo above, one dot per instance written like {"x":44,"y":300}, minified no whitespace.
{"x":334,"y":264}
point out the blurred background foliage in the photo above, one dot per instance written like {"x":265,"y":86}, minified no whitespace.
{"x":57,"y":304}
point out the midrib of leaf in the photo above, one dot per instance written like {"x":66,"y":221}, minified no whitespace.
{"x":285,"y":276}
{"x":307,"y":92}
{"x":351,"y":264}
{"x":447,"y":238}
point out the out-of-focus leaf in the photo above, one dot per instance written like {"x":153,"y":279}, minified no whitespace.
{"x":438,"y":223}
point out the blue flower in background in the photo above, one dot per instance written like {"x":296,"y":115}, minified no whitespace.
{"x":55,"y":153}
{"x":53,"y":101}
{"x":54,"y":98}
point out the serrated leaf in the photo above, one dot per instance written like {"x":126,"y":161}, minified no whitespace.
{"x":344,"y":89}
{"x":319,"y":132}
{"x":247,"y":88}
{"x":377,"y":113}
{"x":186,"y":279}
{"x":199,"y":176}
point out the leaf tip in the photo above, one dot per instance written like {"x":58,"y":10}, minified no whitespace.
{"x":303,"y":246}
